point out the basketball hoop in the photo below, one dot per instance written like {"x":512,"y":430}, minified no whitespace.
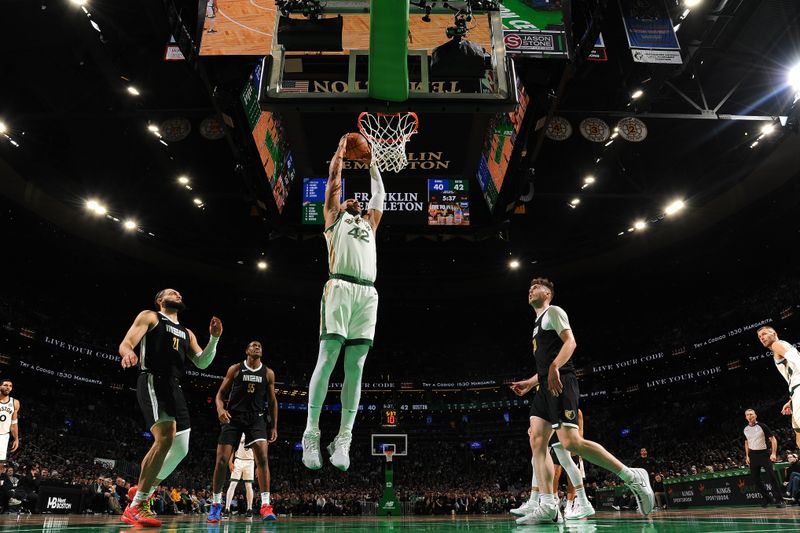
{"x":387,"y":134}
{"x":388,"y":453}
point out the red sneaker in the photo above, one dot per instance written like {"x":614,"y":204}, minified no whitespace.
{"x":132,"y":492}
{"x":266,"y":512}
{"x":140,"y":515}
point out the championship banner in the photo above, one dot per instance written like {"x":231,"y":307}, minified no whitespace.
{"x":535,"y":27}
{"x":651,"y":36}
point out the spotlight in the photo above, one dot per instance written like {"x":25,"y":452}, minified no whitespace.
{"x":198,"y":202}
{"x":262,"y":265}
{"x":129,"y":224}
{"x":513,"y":264}
{"x":794,"y":77}
{"x":755,"y":143}
{"x":575,"y":201}
{"x":92,"y":205}
{"x":639,"y":225}
{"x":766,"y":129}
{"x":133,"y":90}
{"x":636,"y":94}
{"x":674,"y":207}
{"x":79,"y":2}
{"x":588,"y":180}
{"x":3,"y":127}
{"x":183,"y":180}
{"x":153,"y":128}
{"x":692,"y":3}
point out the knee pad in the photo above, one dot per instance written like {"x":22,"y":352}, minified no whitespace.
{"x":176,"y":453}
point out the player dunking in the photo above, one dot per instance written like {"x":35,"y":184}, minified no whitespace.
{"x":252,"y":388}
{"x":9,"y":414}
{"x":787,"y":361}
{"x":165,"y":345}
{"x":348,"y":312}
{"x":556,"y":408}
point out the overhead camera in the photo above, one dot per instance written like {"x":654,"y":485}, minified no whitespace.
{"x":459,"y":29}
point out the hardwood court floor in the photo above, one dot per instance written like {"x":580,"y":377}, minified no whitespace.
{"x":245,"y":27}
{"x":703,"y":520}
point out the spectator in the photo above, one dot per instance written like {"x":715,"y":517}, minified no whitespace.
{"x":646,"y":462}
{"x":658,"y":490}
{"x":792,"y":477}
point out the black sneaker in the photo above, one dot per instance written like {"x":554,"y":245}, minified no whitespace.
{"x":226,"y":514}
{"x":780,"y":505}
{"x":249,"y":513}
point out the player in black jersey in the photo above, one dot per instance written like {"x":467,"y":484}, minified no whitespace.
{"x":252,"y":391}
{"x":165,"y":344}
{"x":556,"y":408}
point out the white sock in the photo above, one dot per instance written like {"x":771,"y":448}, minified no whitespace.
{"x":248,"y":491}
{"x":580,"y":495}
{"x":318,"y":386}
{"x":218,"y":497}
{"x":548,"y":499}
{"x":265,"y":498}
{"x":230,"y":494}
{"x":140,"y":497}
{"x":626,"y":474}
{"x":534,"y":496}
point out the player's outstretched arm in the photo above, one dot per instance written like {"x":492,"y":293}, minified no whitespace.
{"x":377,"y":197}
{"x":222,"y":393}
{"x":202,"y":358}
{"x":141,"y":325}
{"x":333,"y":189}
{"x":273,"y":405}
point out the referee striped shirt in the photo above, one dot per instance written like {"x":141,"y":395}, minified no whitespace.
{"x":757,"y":436}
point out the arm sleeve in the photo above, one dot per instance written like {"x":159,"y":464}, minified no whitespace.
{"x":378,"y":194}
{"x":204,"y":358}
{"x":557,"y":319}
{"x":766,"y":430}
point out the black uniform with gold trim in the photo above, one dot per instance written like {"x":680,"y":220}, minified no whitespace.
{"x":162,"y":354}
{"x":561,"y":409}
{"x":247,"y":406}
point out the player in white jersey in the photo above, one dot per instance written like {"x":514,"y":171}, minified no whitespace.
{"x":242,"y":469}
{"x":348,"y":312}
{"x":787,"y":361}
{"x":9,"y":412}
{"x":211,"y":15}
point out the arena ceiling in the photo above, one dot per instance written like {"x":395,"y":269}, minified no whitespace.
{"x":82,"y":135}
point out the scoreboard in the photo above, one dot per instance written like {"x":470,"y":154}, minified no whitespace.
{"x":412,"y":202}
{"x":389,"y":417}
{"x":448,"y":202}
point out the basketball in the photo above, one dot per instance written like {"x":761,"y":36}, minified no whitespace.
{"x":357,"y":148}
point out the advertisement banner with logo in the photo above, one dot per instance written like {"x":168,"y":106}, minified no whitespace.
{"x":535,"y":27}
{"x":60,"y":500}
{"x":651,"y":36}
{"x":720,"y":488}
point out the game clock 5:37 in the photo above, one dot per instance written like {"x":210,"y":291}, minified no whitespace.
{"x":448,"y":202}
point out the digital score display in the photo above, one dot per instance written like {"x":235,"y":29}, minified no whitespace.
{"x":389,"y":418}
{"x":448,"y":202}
{"x":435,"y":202}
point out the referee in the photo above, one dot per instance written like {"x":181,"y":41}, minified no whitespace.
{"x":755,"y":452}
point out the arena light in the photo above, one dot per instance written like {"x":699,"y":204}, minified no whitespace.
{"x":674,"y":207}
{"x":635,"y":95}
{"x":262,"y":265}
{"x":129,"y":224}
{"x":574,"y":201}
{"x":513,"y":264}
{"x":133,"y":90}
{"x":588,"y":181}
{"x":639,"y":225}
{"x":793,"y":78}
{"x":183,"y":180}
{"x":767,"y":129}
{"x":755,"y":143}
{"x":96,"y":207}
{"x":198,"y":202}
{"x":152,"y":128}
{"x":79,"y":2}
{"x":92,"y":205}
{"x":3,"y":127}
{"x":692,"y":3}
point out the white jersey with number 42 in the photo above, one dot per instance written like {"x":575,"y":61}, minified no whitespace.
{"x":351,"y":248}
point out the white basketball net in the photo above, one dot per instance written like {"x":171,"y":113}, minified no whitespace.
{"x":387,"y":135}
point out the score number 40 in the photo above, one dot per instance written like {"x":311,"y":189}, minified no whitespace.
{"x":440,"y":186}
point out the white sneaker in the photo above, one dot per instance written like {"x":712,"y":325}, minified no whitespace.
{"x":340,"y":451}
{"x":312,"y":456}
{"x":544,"y":514}
{"x":526,"y":508}
{"x":578,"y":510}
{"x":640,"y":486}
